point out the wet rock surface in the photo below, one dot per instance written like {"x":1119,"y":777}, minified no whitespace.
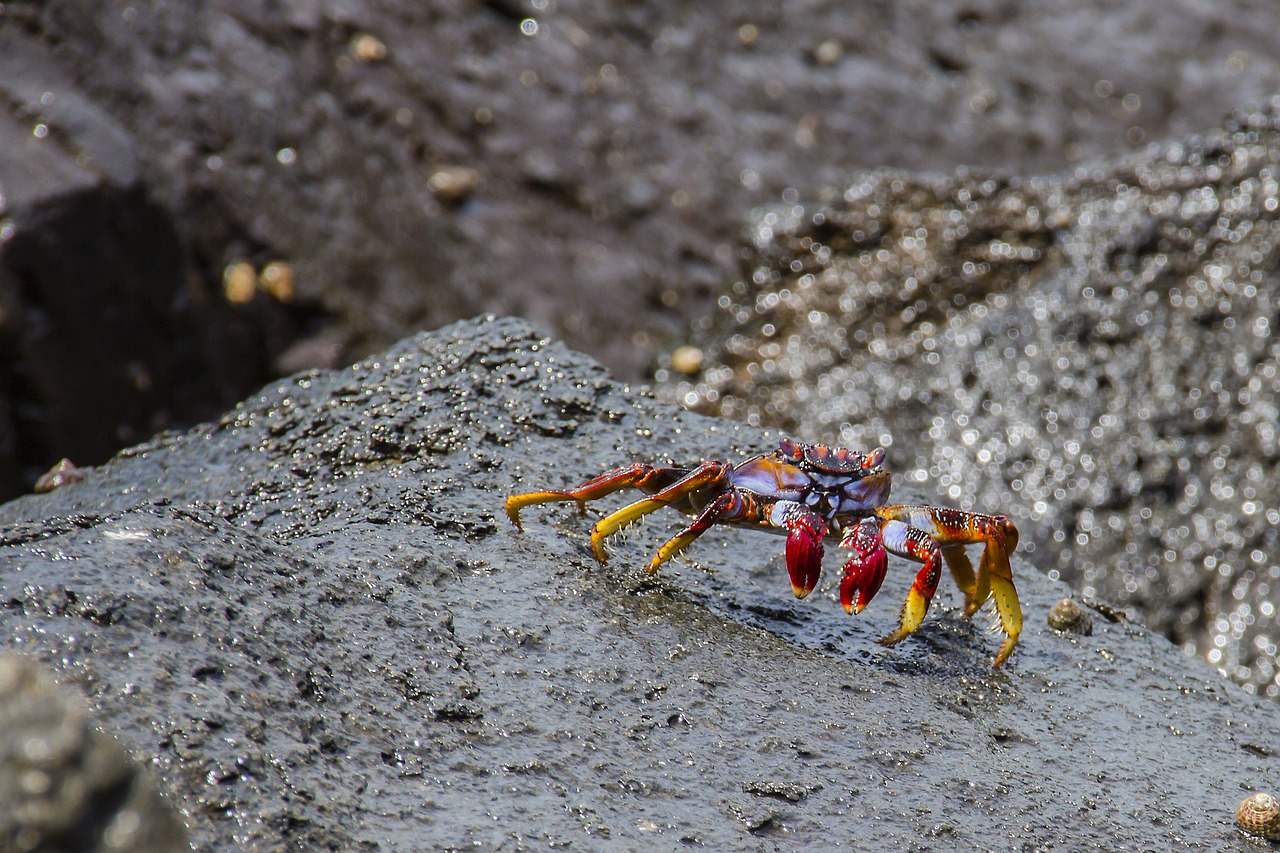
{"x":415,"y":162}
{"x":1091,"y":353}
{"x":314,"y":617}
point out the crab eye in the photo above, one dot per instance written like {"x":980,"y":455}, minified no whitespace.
{"x":788,"y":447}
{"x":874,"y":458}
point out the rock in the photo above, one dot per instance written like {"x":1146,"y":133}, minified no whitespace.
{"x":314,"y":618}
{"x":106,"y":341}
{"x":607,"y":164}
{"x":1091,"y":353}
{"x":64,"y":785}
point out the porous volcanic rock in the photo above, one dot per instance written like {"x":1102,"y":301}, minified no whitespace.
{"x":316,"y":619}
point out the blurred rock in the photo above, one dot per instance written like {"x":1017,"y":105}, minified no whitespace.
{"x":64,"y":785}
{"x":619,"y":147}
{"x":105,"y":341}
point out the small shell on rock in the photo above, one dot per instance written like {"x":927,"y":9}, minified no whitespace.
{"x":276,"y":279}
{"x":1259,"y":815}
{"x":1068,"y":615}
{"x":368,"y":48}
{"x":453,"y":184}
{"x":239,"y":282}
{"x":62,"y":474}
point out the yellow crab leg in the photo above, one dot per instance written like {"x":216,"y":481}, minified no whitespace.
{"x":994,"y":566}
{"x":994,"y":578}
{"x":914,"y":544}
{"x":699,"y":478}
{"x":962,"y":572}
{"x":638,"y":475}
{"x":726,"y":503}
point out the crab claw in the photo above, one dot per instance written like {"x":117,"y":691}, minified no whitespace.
{"x":805,"y":530}
{"x":865,"y":570}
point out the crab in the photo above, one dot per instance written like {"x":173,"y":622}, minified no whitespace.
{"x":811,"y":492}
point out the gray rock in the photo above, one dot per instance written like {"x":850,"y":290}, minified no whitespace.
{"x":1091,"y":353}
{"x":104,"y":341}
{"x":315,"y":618}
{"x":64,"y":785}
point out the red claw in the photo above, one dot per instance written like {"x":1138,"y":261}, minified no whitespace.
{"x":866,"y":569}
{"x":804,"y":552}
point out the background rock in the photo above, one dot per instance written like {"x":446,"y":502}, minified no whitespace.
{"x":409,"y":163}
{"x":315,"y":618}
{"x":1092,"y":354}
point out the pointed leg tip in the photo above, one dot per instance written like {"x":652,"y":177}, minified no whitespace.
{"x":799,"y":591}
{"x":1005,"y":651}
{"x":893,"y":637}
{"x":851,"y":608}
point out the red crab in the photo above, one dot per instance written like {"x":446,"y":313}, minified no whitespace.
{"x":811,"y":492}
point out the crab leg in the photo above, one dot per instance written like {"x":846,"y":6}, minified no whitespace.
{"x":639,"y":475}
{"x":915,"y":544}
{"x":951,"y":530}
{"x":725,"y":505}
{"x":994,"y":567}
{"x":706,"y":474}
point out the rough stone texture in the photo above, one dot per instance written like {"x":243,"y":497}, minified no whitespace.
{"x":415,"y":162}
{"x":64,"y":785}
{"x":1092,"y":353}
{"x":315,"y":617}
